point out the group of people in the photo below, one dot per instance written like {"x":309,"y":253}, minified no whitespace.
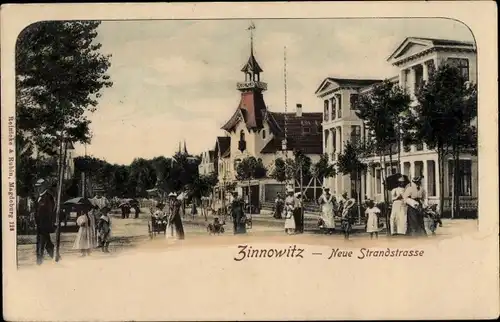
{"x":170,"y":217}
{"x":94,"y":224}
{"x":410,"y":213}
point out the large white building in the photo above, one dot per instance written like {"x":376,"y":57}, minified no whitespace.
{"x":414,"y":57}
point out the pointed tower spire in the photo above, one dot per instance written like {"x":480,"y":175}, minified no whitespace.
{"x":252,"y":69}
{"x":185,"y":148}
{"x":179,"y":147}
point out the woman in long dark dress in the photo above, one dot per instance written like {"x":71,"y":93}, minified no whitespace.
{"x":175,"y":216}
{"x":238,"y":214}
{"x":416,"y":198}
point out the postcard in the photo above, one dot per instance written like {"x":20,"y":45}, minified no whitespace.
{"x":250,"y":161}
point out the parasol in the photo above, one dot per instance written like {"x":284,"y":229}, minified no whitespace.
{"x":78,"y":204}
{"x":392,"y":180}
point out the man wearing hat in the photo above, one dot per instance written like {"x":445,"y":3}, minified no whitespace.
{"x":238,"y":214}
{"x":415,"y":197}
{"x":44,"y":219}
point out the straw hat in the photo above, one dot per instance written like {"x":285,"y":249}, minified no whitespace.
{"x":417,"y":179}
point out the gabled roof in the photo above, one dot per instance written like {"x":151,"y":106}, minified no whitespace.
{"x":345,"y":82}
{"x":223,"y":145}
{"x":250,"y":110}
{"x":309,"y":143}
{"x":420,"y":44}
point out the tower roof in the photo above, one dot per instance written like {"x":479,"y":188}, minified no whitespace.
{"x":252,"y":66}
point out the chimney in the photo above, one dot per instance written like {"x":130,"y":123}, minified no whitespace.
{"x":298,"y":111}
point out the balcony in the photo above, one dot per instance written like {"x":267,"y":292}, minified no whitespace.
{"x":251,"y":85}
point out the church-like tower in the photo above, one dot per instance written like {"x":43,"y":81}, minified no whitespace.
{"x":252,"y":106}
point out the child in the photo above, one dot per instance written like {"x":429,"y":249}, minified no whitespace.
{"x":372,"y":214}
{"x":432,"y":219}
{"x":289,"y":220}
{"x":104,"y":229}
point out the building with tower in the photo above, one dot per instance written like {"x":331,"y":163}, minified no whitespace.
{"x":254,"y":130}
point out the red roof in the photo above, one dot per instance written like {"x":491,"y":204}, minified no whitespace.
{"x":251,"y":109}
{"x":303,"y":132}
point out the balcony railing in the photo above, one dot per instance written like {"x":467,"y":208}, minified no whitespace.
{"x":251,"y":84}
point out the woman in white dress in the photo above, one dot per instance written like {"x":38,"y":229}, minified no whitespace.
{"x":398,"y":219}
{"x":86,"y":238}
{"x":372,"y":214}
{"x":290,"y":204}
{"x":326,"y":201}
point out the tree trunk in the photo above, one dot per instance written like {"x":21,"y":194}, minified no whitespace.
{"x":62,"y":162}
{"x":399,"y":147}
{"x":441,"y":179}
{"x":455,"y":212}
{"x":386,"y":206}
{"x":358,"y":194}
{"x":390,"y":159}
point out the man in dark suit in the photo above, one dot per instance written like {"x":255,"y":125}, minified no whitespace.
{"x":44,"y":219}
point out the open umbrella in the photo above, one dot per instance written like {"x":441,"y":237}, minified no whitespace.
{"x":392,"y":180}
{"x":78,"y":204}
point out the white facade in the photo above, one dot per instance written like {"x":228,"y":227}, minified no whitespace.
{"x":414,"y":58}
{"x":207,"y":163}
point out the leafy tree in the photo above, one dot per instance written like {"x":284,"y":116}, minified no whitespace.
{"x":279,"y":170}
{"x":381,"y":110}
{"x":444,"y":120}
{"x":250,"y":168}
{"x":349,"y":163}
{"x":323,"y":169}
{"x":59,"y":75}
{"x":142,"y":176}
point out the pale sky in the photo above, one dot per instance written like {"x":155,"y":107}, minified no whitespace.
{"x":176,"y":80}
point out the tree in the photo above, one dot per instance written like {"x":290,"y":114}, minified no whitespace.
{"x":444,"y":120}
{"x":381,"y":110}
{"x":142,"y":176}
{"x":323,"y":168}
{"x":279,"y":170}
{"x":250,"y":168}
{"x":59,"y":75}
{"x":349,"y":163}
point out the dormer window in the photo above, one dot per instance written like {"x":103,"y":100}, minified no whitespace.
{"x":242,"y":145}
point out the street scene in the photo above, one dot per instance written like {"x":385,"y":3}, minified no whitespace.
{"x":129,"y":137}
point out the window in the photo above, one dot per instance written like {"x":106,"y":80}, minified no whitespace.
{"x":431,"y":180}
{"x":306,"y":130}
{"x":354,"y":100}
{"x":327,"y":136}
{"x":464,"y":177}
{"x":419,"y":78}
{"x":264,"y":134}
{"x":334,"y":107}
{"x":326,"y":111}
{"x":378,"y":181}
{"x":339,"y":109}
{"x":355,"y":133}
{"x":339,"y":129}
{"x":334,"y":140}
{"x":462,"y":64}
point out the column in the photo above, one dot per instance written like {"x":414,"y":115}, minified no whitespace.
{"x":333,"y":142}
{"x":411,"y":82}
{"x":425,"y":173}
{"x":412,"y":170}
{"x":402,"y":78}
{"x":425,"y":69}
{"x":338,"y":138}
{"x":369,"y":175}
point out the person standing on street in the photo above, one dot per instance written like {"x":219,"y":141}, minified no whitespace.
{"x":175,"y":216}
{"x":416,"y":198}
{"x":238,"y":214}
{"x":326,"y":201}
{"x":44,"y":219}
{"x":398,"y":217}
